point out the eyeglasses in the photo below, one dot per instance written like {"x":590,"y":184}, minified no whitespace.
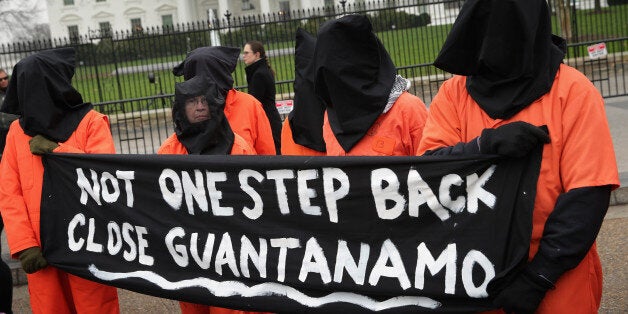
{"x":196,"y":100}
{"x":246,"y":52}
{"x":4,"y":78}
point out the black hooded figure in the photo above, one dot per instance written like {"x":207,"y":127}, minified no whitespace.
{"x":52,"y":118}
{"x":212,"y":136}
{"x":511,"y":90}
{"x":41,"y":93}
{"x":245,"y":113}
{"x":216,"y":63}
{"x":354,"y":76}
{"x":508,"y":54}
{"x":306,"y":117}
{"x":356,"y":79}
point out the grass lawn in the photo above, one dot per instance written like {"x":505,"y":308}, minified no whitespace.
{"x":407,"y":47}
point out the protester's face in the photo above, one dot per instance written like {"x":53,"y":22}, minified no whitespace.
{"x":248,"y":56}
{"x":197,"y":109}
{"x":4,"y":80}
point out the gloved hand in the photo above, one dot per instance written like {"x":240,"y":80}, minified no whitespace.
{"x":32,"y":260}
{"x":524,"y":294}
{"x":41,"y":145}
{"x":514,"y":139}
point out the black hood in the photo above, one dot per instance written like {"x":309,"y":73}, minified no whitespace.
{"x":506,"y":49}
{"x":41,"y":93}
{"x":216,"y":63}
{"x":306,"y":117}
{"x":209,"y":137}
{"x":353,"y":76}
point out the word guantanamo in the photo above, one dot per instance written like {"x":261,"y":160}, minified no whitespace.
{"x":396,"y":234}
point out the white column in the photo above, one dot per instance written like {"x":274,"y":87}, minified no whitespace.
{"x":264,"y":7}
{"x":183,"y":10}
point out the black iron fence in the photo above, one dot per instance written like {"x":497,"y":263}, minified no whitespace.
{"x":128,"y":74}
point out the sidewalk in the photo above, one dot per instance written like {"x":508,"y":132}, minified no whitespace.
{"x":611,"y":241}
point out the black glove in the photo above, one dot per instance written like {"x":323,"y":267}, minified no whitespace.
{"x":41,"y":145}
{"x":524,"y":294}
{"x":32,"y":260}
{"x":514,"y":139}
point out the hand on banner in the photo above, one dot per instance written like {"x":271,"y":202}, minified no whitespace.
{"x":41,"y":145}
{"x":524,"y":294}
{"x":514,"y":139}
{"x":32,"y":260}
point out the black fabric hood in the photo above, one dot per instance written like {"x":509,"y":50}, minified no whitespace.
{"x":353,"y":76}
{"x":506,"y":49}
{"x":41,"y":93}
{"x":216,"y":63}
{"x":306,"y":117}
{"x":209,"y":137}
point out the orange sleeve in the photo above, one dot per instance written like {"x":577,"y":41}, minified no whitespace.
{"x":241,"y":146}
{"x":93,"y":136}
{"x":19,"y":230}
{"x":172,"y":146}
{"x":415,"y":119}
{"x":264,"y":144}
{"x":442,"y":127}
{"x":289,"y":147}
{"x":588,"y":157}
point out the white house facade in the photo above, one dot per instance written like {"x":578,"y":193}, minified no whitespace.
{"x":73,"y":18}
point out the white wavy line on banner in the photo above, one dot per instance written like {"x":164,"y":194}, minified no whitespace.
{"x":231,"y":288}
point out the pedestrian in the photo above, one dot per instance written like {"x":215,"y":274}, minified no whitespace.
{"x":260,"y":79}
{"x":4,"y":84}
{"x":53,"y":118}
{"x":244,"y":113}
{"x":369,"y":108}
{"x":201,"y":128}
{"x":509,"y":81}
{"x":302,"y":131}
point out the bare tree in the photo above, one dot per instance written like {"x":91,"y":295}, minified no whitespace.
{"x":23,"y":20}
{"x":563,"y":10}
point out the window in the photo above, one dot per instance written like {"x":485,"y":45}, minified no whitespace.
{"x":284,"y":9}
{"x":136,"y":26}
{"x":105,"y":29}
{"x":68,"y":2}
{"x":73,"y":33}
{"x":166,"y":21}
{"x":247,"y":5}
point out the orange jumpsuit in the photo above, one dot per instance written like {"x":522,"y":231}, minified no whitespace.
{"x":289,"y":147}
{"x":580,"y":155}
{"x":394,"y":133}
{"x":248,"y":119}
{"x":51,"y":289}
{"x":172,"y":145}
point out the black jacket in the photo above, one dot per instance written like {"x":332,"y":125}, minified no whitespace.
{"x":262,"y":86}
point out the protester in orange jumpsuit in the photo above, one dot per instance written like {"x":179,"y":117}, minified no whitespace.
{"x":201,"y":128}
{"x":245,"y":113}
{"x":302,"y":131}
{"x":511,"y":80}
{"x":369,"y":110}
{"x":53,"y":118}
{"x":200,"y":124}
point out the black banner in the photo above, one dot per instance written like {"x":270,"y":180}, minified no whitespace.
{"x":292,"y":234}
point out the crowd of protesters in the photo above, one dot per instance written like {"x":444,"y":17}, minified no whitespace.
{"x":509,"y":94}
